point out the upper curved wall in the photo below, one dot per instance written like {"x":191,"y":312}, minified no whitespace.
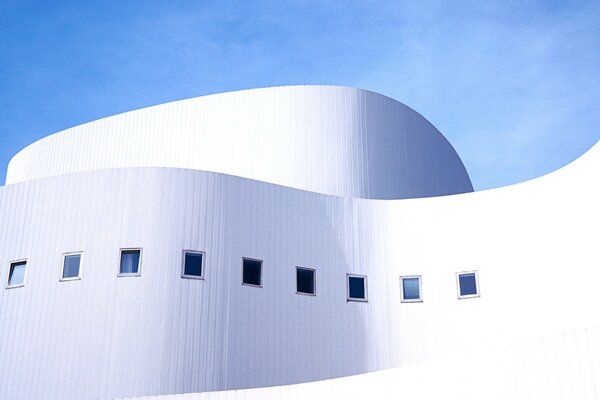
{"x":333,"y":140}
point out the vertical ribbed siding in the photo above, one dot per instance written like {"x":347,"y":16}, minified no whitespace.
{"x":332,"y":140}
{"x":106,"y":336}
{"x":561,"y":366}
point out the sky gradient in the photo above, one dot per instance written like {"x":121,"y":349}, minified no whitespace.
{"x":513,"y":85}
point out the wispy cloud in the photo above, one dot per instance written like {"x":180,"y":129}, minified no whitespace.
{"x":513,"y":85}
{"x":514,"y":88}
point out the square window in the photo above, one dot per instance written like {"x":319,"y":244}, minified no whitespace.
{"x":130,"y":262}
{"x":305,"y":281}
{"x":71,"y":266}
{"x":411,"y":288}
{"x":468,"y":284}
{"x":251,"y":272}
{"x":192,"y":264}
{"x":357,"y":287}
{"x":16,"y":274}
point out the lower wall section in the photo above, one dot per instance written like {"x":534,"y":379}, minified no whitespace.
{"x":562,"y":366}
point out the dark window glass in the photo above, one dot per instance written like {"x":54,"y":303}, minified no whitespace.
{"x":356,"y":287}
{"x":130,"y":261}
{"x":16,"y":275}
{"x":305,"y":280}
{"x":468,"y":284}
{"x":71,"y":266}
{"x":410,"y":289}
{"x":193,"y":264}
{"x":252,"y":272}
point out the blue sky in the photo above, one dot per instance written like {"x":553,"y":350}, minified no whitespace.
{"x":514,"y":85}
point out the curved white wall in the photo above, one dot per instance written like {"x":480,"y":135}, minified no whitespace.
{"x":333,"y":140}
{"x":105,"y":336}
{"x":558,"y":366}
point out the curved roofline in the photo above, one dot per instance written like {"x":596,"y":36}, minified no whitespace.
{"x":227,"y":92}
{"x":337,"y":140}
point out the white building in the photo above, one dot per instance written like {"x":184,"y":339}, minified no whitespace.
{"x":246,"y":242}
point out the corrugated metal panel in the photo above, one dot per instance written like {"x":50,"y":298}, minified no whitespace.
{"x":332,"y":140}
{"x":524,"y":370}
{"x":105,"y":336}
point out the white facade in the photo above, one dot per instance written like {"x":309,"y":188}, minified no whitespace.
{"x":340,"y":180}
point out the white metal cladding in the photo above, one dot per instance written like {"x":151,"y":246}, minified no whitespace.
{"x":333,"y":140}
{"x":559,"y":366}
{"x":533,"y":244}
{"x":105,"y":336}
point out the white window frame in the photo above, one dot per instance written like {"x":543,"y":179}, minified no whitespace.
{"x":314,"y":271}
{"x":261,"y":272}
{"x":402,"y":298}
{"x":129,"y":274}
{"x":201,"y":276}
{"x":468,"y":296}
{"x":62,"y":270}
{"x":362,"y":300}
{"x":10,"y":263}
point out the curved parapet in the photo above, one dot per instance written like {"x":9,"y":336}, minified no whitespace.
{"x":332,"y":140}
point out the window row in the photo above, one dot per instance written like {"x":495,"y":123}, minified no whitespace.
{"x":192,"y":267}
{"x":467,"y":283}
